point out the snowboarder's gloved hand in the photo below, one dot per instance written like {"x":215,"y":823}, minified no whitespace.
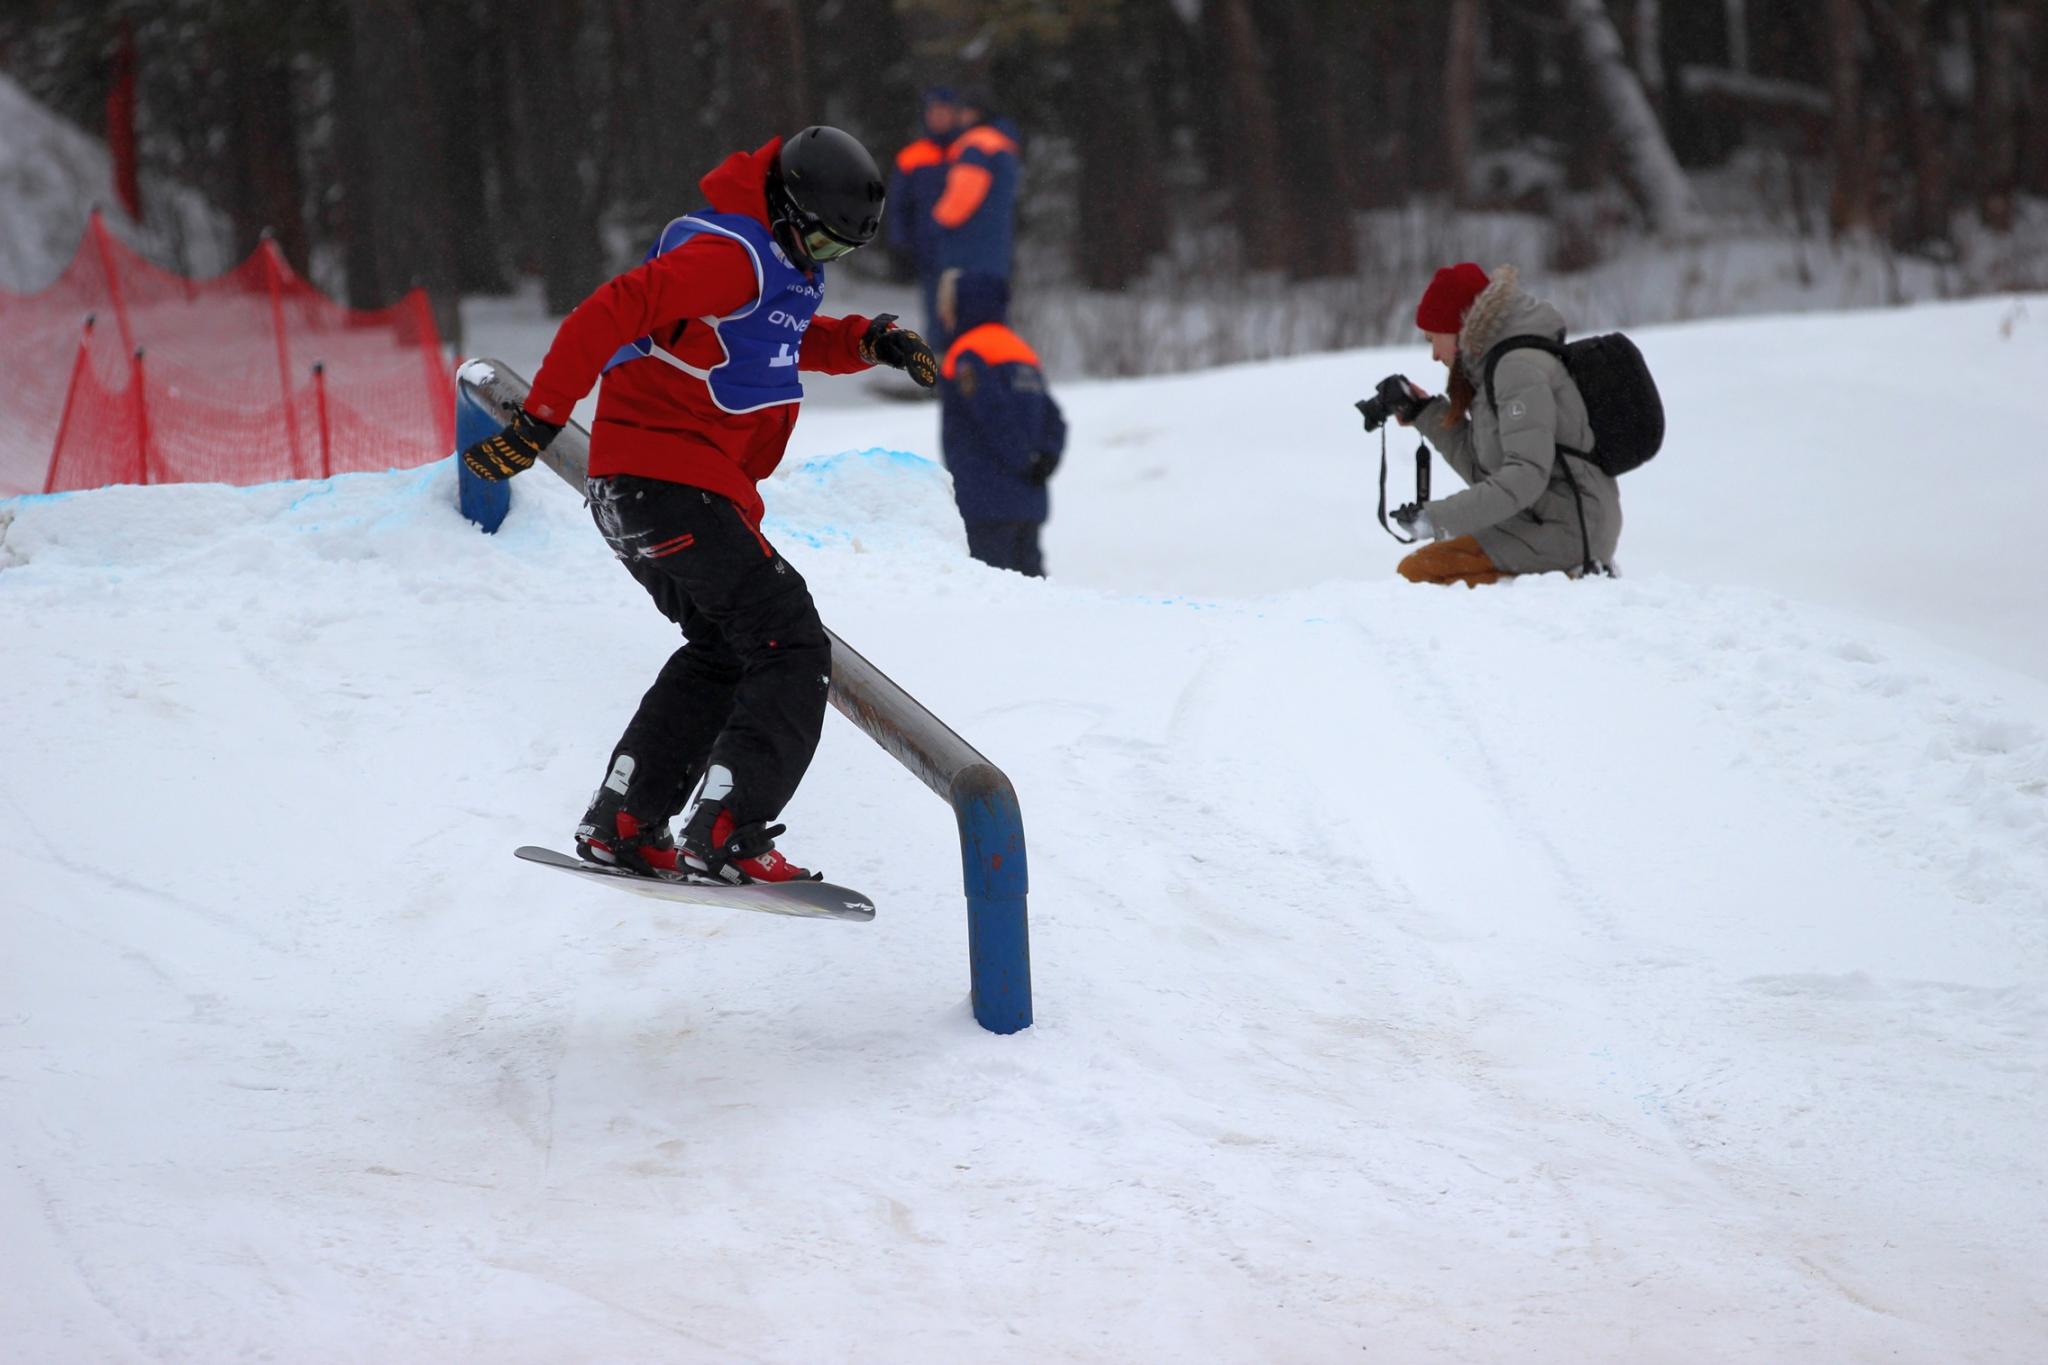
{"x":1413,"y":518}
{"x":1042,"y":466}
{"x":511,"y":451}
{"x":887,"y":344}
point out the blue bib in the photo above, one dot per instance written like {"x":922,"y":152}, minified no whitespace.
{"x":761,"y":340}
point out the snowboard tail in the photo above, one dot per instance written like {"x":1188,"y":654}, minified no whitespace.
{"x":809,"y":900}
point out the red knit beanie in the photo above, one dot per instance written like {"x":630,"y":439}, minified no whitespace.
{"x":1444,"y":303}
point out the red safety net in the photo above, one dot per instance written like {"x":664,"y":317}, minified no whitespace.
{"x":123,"y":373}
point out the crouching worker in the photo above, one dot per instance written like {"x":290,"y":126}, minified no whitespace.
{"x":1530,"y":507}
{"x":1001,"y":431}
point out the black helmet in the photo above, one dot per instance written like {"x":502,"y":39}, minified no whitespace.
{"x":827,"y":192}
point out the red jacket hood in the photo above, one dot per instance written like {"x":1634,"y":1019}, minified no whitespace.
{"x":739,"y":184}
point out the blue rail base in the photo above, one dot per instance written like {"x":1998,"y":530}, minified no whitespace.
{"x":483,"y":501}
{"x":995,"y":871}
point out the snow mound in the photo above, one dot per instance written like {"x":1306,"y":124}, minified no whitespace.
{"x":865,"y":500}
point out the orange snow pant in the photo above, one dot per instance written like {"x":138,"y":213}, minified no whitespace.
{"x":1451,"y":561}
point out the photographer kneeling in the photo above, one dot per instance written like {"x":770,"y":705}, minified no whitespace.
{"x":1530,"y":507}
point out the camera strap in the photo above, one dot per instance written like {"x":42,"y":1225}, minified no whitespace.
{"x":1421,"y":484}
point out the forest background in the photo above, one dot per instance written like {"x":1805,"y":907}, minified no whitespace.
{"x":1206,"y":180}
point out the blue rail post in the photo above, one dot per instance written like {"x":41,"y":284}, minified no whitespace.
{"x":483,"y":501}
{"x":994,"y":869}
{"x":993,"y":865}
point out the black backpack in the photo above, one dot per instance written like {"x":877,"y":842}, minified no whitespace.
{"x":1622,"y":404}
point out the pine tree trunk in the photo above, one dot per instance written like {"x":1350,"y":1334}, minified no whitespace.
{"x":362,"y":211}
{"x":1251,"y":137}
{"x":1901,"y":28}
{"x":1120,"y":194}
{"x":1651,"y":170}
{"x":270,"y":197}
{"x":463,"y":41}
{"x":1461,"y":85}
{"x":405,"y":210}
{"x":2031,"y":42}
{"x":554,"y":195}
{"x":1849,"y":203}
{"x":1649,"y":36}
{"x":1737,"y":15}
{"x":1316,"y":168}
{"x":1996,"y":33}
{"x":768,"y":72}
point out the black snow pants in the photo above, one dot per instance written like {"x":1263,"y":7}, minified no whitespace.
{"x":747,"y":689}
{"x":1008,"y":545}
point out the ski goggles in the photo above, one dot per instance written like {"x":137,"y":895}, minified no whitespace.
{"x":820,"y":245}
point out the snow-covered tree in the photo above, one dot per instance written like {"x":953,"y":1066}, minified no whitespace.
{"x":1653,"y":173}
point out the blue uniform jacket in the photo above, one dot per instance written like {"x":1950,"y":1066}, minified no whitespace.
{"x":915,"y":183}
{"x":996,"y":415}
{"x":977,"y":209}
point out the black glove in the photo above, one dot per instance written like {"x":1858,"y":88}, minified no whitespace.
{"x":1041,"y":467}
{"x":885,"y":343}
{"x":511,"y":451}
{"x":1412,"y":518}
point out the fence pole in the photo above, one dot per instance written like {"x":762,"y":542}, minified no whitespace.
{"x":103,"y":243}
{"x":141,"y":415}
{"x":70,"y":400}
{"x":320,"y":413}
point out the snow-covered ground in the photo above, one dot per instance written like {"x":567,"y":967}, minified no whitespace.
{"x":1646,"y":970}
{"x":1889,"y":463}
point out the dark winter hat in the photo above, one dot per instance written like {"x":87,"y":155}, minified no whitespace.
{"x":1444,"y":303}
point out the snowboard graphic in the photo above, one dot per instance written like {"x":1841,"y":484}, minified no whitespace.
{"x":811,"y":900}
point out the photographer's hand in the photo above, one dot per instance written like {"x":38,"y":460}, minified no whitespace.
{"x":1423,"y":398}
{"x":1414,"y":519}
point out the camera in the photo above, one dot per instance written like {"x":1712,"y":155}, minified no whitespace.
{"x":1393,"y":398}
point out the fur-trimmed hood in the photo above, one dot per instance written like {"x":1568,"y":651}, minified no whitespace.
{"x":1502,"y":310}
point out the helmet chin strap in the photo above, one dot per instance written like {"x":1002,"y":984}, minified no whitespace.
{"x":791,"y":242}
{"x":783,"y":229}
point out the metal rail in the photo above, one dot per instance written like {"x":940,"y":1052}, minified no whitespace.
{"x":992,"y":858}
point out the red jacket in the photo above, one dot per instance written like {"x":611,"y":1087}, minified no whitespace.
{"x":653,"y":419}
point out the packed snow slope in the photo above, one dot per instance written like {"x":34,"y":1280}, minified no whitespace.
{"x":1646,"y":970}
{"x":1889,"y":463}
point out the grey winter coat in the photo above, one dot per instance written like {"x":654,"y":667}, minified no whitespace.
{"x":1519,"y":506}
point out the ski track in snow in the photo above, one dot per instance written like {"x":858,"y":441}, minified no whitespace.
{"x":1647,"y":970}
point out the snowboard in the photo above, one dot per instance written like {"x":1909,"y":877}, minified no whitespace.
{"x":810,"y":900}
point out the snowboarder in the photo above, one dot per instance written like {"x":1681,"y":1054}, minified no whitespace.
{"x":1530,"y":508}
{"x":1001,"y":431}
{"x":701,"y":346}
